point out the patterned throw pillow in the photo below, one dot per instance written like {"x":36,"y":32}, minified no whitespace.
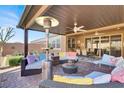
{"x":107,"y":58}
{"x":120,"y":61}
{"x":113,"y":60}
{"x":117,"y":69}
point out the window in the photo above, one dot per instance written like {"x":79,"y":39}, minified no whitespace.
{"x":88,"y":43}
{"x":56,"y":43}
{"x":115,"y":45}
{"x":105,"y":44}
{"x":53,"y":43}
{"x":71,"y":43}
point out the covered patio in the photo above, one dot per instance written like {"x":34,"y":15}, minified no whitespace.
{"x":100,"y":19}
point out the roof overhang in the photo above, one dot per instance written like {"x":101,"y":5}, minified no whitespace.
{"x":30,"y":13}
{"x":91,"y":16}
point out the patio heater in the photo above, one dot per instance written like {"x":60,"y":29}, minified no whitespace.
{"x":47,"y":22}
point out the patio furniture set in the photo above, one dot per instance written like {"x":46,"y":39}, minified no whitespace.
{"x":31,"y":65}
{"x":97,"y":77}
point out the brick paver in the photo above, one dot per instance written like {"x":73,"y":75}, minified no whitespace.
{"x":13,"y":79}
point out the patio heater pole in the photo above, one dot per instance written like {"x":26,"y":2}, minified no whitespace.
{"x":47,"y":44}
{"x":47,"y":22}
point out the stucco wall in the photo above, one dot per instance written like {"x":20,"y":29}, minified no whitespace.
{"x":18,"y":48}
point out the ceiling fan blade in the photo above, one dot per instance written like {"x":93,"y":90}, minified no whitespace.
{"x":80,"y":27}
{"x":68,"y":27}
{"x":71,"y":30}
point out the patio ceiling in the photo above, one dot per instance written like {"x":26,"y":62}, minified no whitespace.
{"x":90,"y":16}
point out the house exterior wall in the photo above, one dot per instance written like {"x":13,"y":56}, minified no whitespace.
{"x":18,"y":48}
{"x":53,"y":38}
{"x":80,"y":39}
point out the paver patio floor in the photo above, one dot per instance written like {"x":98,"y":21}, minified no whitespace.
{"x":13,"y":79}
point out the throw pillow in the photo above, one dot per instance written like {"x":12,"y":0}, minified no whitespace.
{"x":120,"y":61}
{"x":62,"y":55}
{"x":117,"y":69}
{"x":42,"y":56}
{"x":106,"y":58}
{"x":119,"y":76}
{"x":113,"y":60}
{"x":31,"y":59}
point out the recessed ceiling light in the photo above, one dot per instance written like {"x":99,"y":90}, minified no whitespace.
{"x":118,"y":28}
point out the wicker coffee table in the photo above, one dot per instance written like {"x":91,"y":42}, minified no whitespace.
{"x":69,"y":69}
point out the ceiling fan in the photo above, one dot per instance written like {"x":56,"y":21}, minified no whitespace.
{"x":76,"y":29}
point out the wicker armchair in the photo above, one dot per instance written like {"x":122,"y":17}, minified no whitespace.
{"x":27,"y":72}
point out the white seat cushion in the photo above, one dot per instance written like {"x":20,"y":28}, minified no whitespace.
{"x":99,"y":77}
{"x":102,"y":79}
{"x":35,"y":65}
{"x":94,"y":74}
{"x":97,"y":61}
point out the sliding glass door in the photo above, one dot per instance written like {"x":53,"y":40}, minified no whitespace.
{"x":115,"y":45}
{"x":105,"y":45}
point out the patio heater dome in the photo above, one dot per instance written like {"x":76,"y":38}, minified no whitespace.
{"x":47,"y":21}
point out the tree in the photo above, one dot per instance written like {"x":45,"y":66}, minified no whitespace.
{"x":5,"y":35}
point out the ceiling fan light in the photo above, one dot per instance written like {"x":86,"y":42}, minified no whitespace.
{"x":75,"y":30}
{"x":96,"y":33}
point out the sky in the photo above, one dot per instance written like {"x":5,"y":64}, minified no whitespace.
{"x":10,"y":16}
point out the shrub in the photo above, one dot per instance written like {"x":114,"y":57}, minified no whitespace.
{"x":15,"y":61}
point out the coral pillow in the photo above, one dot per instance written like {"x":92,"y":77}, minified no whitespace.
{"x":71,"y":55}
{"x":119,"y":76}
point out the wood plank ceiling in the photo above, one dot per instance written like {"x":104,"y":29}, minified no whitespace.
{"x":90,"y":16}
